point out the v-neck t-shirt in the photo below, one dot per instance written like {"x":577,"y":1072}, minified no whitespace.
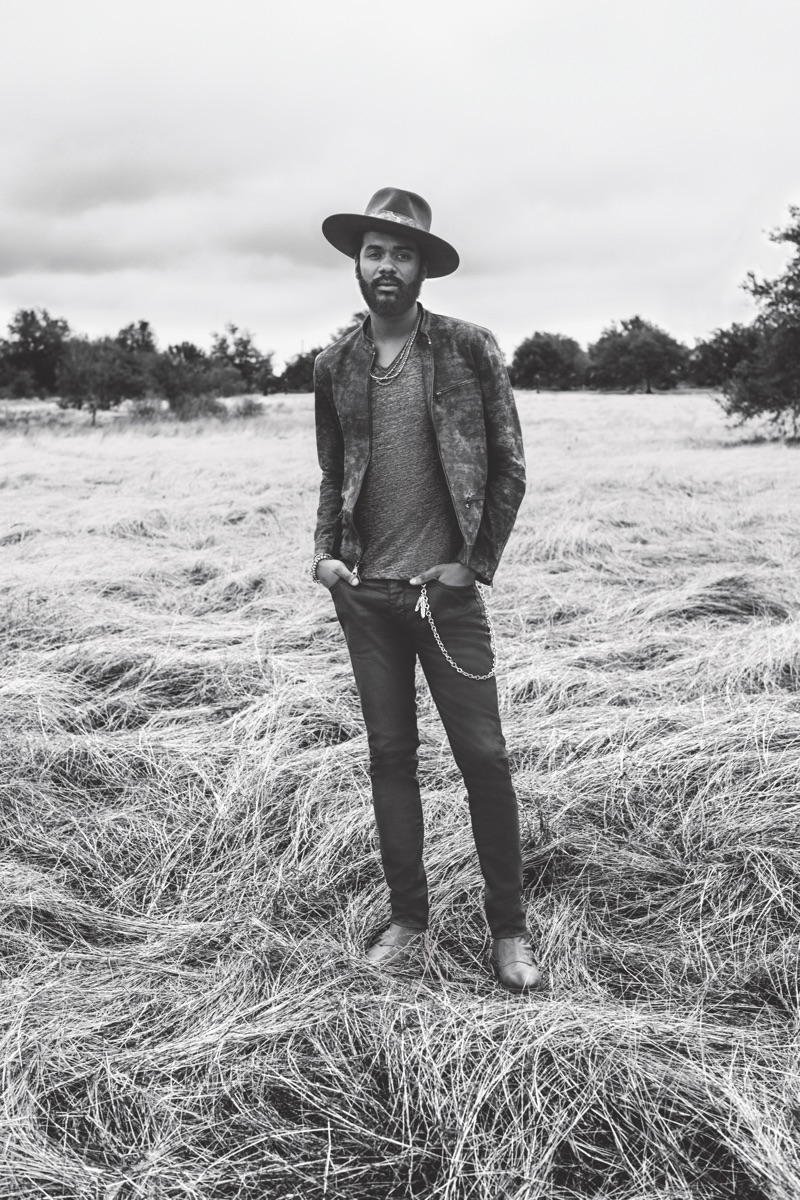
{"x":404,"y":513}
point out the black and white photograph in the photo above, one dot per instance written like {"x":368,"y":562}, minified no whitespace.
{"x":400,"y":600}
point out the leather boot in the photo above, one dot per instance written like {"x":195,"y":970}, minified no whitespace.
{"x":514,"y":964}
{"x":394,"y":945}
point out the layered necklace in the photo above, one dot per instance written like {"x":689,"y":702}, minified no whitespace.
{"x":397,"y":366}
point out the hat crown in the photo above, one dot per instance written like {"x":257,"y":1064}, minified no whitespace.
{"x":406,"y":208}
{"x":390,"y":210}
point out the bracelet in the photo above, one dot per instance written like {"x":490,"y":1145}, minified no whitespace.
{"x":317,"y":560}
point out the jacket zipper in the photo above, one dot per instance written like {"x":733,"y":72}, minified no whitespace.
{"x":452,"y":387}
{"x":363,"y":473}
{"x":439,"y":452}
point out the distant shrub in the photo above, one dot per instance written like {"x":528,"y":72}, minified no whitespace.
{"x":16,"y":385}
{"x":248,"y":406}
{"x":147,"y":409}
{"x":189,"y":408}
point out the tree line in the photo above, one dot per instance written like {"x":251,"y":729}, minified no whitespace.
{"x":41,"y":356}
{"x":755,"y":367}
{"x":633,"y":355}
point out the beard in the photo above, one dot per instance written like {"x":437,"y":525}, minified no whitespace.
{"x":391,"y":306}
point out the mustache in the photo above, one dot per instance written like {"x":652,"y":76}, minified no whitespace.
{"x":403,"y":294}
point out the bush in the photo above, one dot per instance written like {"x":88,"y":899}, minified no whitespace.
{"x":149,"y":408}
{"x":248,"y":406}
{"x":189,"y":408}
{"x":17,"y":383}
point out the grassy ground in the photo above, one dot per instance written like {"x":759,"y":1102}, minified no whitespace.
{"x":189,"y":870}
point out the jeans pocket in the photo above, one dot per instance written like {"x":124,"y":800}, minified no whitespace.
{"x":463,"y":588}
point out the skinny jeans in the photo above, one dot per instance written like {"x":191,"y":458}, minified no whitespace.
{"x":385,"y":636}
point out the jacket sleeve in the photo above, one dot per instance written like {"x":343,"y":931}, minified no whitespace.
{"x":505,"y":481}
{"x":330,"y":453}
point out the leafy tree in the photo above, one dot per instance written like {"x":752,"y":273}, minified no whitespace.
{"x":713,"y":362}
{"x":99,"y":374}
{"x":548,"y":360}
{"x":187,"y":352}
{"x":180,"y":371}
{"x":138,"y":337}
{"x":637,"y":356}
{"x":779,"y":299}
{"x":236,"y":348}
{"x":298,"y":375}
{"x":767,"y":383}
{"x":184,"y":374}
{"x":30,"y":356}
{"x":355,"y":322}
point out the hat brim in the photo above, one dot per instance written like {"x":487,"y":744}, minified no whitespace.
{"x":345,"y":230}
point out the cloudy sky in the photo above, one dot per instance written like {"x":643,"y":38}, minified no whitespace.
{"x":590,"y":159}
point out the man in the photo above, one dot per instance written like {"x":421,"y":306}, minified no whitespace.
{"x":422,"y":474}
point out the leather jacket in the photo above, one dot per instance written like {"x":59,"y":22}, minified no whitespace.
{"x":475,"y":422}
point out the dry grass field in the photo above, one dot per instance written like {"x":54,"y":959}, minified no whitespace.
{"x":189,"y":871}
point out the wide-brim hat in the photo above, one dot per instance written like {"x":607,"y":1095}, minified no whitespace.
{"x":390,"y":210}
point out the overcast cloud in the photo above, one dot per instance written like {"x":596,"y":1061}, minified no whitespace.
{"x":174,"y":160}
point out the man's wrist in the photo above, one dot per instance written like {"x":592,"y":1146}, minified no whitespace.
{"x":318,"y":558}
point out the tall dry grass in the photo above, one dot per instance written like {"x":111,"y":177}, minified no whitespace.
{"x":189,"y":871}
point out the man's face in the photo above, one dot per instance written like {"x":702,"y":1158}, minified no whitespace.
{"x":390,"y":273}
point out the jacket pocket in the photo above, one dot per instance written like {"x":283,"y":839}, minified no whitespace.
{"x":451,"y":387}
